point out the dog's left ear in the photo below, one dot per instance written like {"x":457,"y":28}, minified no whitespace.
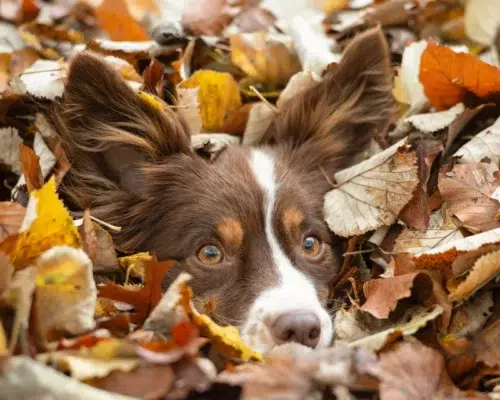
{"x":335,"y":119}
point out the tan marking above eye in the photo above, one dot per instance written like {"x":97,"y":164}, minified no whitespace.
{"x":231,"y":231}
{"x":292,"y":218}
{"x":210,"y":254}
{"x":311,"y":246}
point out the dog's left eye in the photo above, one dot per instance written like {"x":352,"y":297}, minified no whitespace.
{"x":311,"y":246}
{"x":210,"y":254}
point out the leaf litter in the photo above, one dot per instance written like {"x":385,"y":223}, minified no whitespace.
{"x":80,"y":319}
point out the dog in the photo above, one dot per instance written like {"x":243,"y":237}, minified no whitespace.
{"x":248,"y":226}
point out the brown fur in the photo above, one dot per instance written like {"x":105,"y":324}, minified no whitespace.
{"x":134,"y":167}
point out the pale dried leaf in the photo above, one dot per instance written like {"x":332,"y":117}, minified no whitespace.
{"x":372,"y":193}
{"x":467,"y":190}
{"x":298,"y":83}
{"x":488,"y":345}
{"x":409,"y":72}
{"x":213,"y":142}
{"x":260,"y":118}
{"x":481,"y":20}
{"x":483,"y":271}
{"x":441,"y":231}
{"x":189,"y":108}
{"x":433,"y":122}
{"x":11,"y":217}
{"x":472,"y":316}
{"x":9,"y":149}
{"x":43,"y":79}
{"x":485,"y":144}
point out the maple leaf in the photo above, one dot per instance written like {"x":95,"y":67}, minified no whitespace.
{"x":372,"y":193}
{"x":447,"y":76}
{"x":47,"y":224}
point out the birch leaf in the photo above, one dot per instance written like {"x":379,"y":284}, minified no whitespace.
{"x":484,"y":144}
{"x":467,"y":189}
{"x":372,"y":193}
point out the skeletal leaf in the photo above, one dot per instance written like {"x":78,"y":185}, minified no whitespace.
{"x":485,"y":144}
{"x":372,"y":193}
{"x":483,"y":271}
{"x":441,"y":230}
{"x":468,"y":189}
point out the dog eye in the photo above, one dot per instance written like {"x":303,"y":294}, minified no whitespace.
{"x":311,"y":246}
{"x":210,"y":254}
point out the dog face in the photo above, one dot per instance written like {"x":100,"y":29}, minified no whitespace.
{"x":247,"y":226}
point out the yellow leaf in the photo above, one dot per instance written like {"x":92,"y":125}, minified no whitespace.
{"x":47,"y":224}
{"x":226,"y":339}
{"x":135,"y":265}
{"x":151,"y":100}
{"x":3,"y":340}
{"x":217,"y":96}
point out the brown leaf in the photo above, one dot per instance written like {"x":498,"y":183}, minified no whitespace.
{"x":416,"y":213}
{"x":88,"y":235}
{"x":413,"y":371}
{"x":153,"y":77}
{"x":484,"y":270}
{"x":382,"y":295}
{"x":467,"y":189}
{"x":30,"y":164}
{"x":114,"y":18}
{"x":207,"y":17}
{"x":11,"y":218}
{"x":487,"y":345}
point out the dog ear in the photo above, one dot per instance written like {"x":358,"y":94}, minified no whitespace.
{"x":335,"y":119}
{"x":110,"y":132}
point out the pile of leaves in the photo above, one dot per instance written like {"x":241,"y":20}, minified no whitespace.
{"x":417,"y":299}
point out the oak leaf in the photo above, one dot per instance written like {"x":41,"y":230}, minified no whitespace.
{"x":47,"y":224}
{"x":372,"y":193}
{"x":467,"y":189}
{"x":218,"y":95}
{"x":448,"y":76}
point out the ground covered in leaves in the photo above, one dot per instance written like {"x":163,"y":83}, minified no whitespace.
{"x":417,"y":299}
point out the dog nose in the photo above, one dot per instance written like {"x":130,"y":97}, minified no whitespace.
{"x":302,"y":327}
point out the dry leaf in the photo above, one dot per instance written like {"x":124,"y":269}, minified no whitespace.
{"x":30,"y":164}
{"x":46,"y":224}
{"x":218,"y":94}
{"x":206,"y":17}
{"x":467,"y":190}
{"x":372,"y":193}
{"x":11,"y":218}
{"x":483,"y":271}
{"x":65,"y":293}
{"x":189,"y":108}
{"x":441,"y":230}
{"x":409,"y":72}
{"x":488,"y":345}
{"x":481,"y":20}
{"x":448,"y":76}
{"x":382,"y":295}
{"x":43,"y":79}
{"x":266,"y":58}
{"x":433,"y":122}
{"x":485,"y":144}
{"x":114,"y":18}
{"x":472,"y":316}
{"x":9,"y":145}
{"x":413,"y":371}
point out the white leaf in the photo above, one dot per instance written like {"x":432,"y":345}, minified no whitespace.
{"x":43,"y":79}
{"x":298,"y":83}
{"x":9,"y":149}
{"x":189,"y":108}
{"x":440,"y":231}
{"x":433,"y":122}
{"x":260,"y":118}
{"x":213,"y":139}
{"x":409,"y":72}
{"x":372,"y":193}
{"x":482,"y":18}
{"x":484,"y":144}
{"x":128,"y":47}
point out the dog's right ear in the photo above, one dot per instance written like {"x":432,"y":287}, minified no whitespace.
{"x":110,"y":132}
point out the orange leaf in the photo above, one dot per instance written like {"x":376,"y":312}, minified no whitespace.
{"x":30,"y":164}
{"x":114,"y":18}
{"x":448,"y":76}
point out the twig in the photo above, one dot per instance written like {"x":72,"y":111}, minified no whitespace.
{"x":273,"y":108}
{"x":109,"y":226}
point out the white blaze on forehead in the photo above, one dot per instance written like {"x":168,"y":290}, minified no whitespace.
{"x":294,"y":290}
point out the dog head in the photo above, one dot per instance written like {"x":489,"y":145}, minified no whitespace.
{"x":247,"y":226}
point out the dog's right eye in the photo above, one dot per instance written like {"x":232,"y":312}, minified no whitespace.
{"x":210,"y":254}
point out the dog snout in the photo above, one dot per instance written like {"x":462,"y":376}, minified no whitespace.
{"x":303,"y":327}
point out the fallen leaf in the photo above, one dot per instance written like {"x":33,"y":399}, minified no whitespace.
{"x":382,"y":295}
{"x":153,"y":77}
{"x":467,"y":190}
{"x":206,"y":17}
{"x":487,"y":345}
{"x":30,"y":164}
{"x":447,"y":76}
{"x":9,"y":145}
{"x":471,"y":317}
{"x":414,"y":371}
{"x":46,"y":224}
{"x":136,"y":264}
{"x":11,"y":217}
{"x":481,"y":21}
{"x":441,"y":230}
{"x":65,"y":293}
{"x":43,"y":79}
{"x":114,"y":18}
{"x":189,"y":107}
{"x":433,"y":122}
{"x":484,"y":270}
{"x":485,"y":144}
{"x":372,"y":193}
{"x":218,"y":94}
{"x":409,"y":72}
{"x":266,"y":58}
